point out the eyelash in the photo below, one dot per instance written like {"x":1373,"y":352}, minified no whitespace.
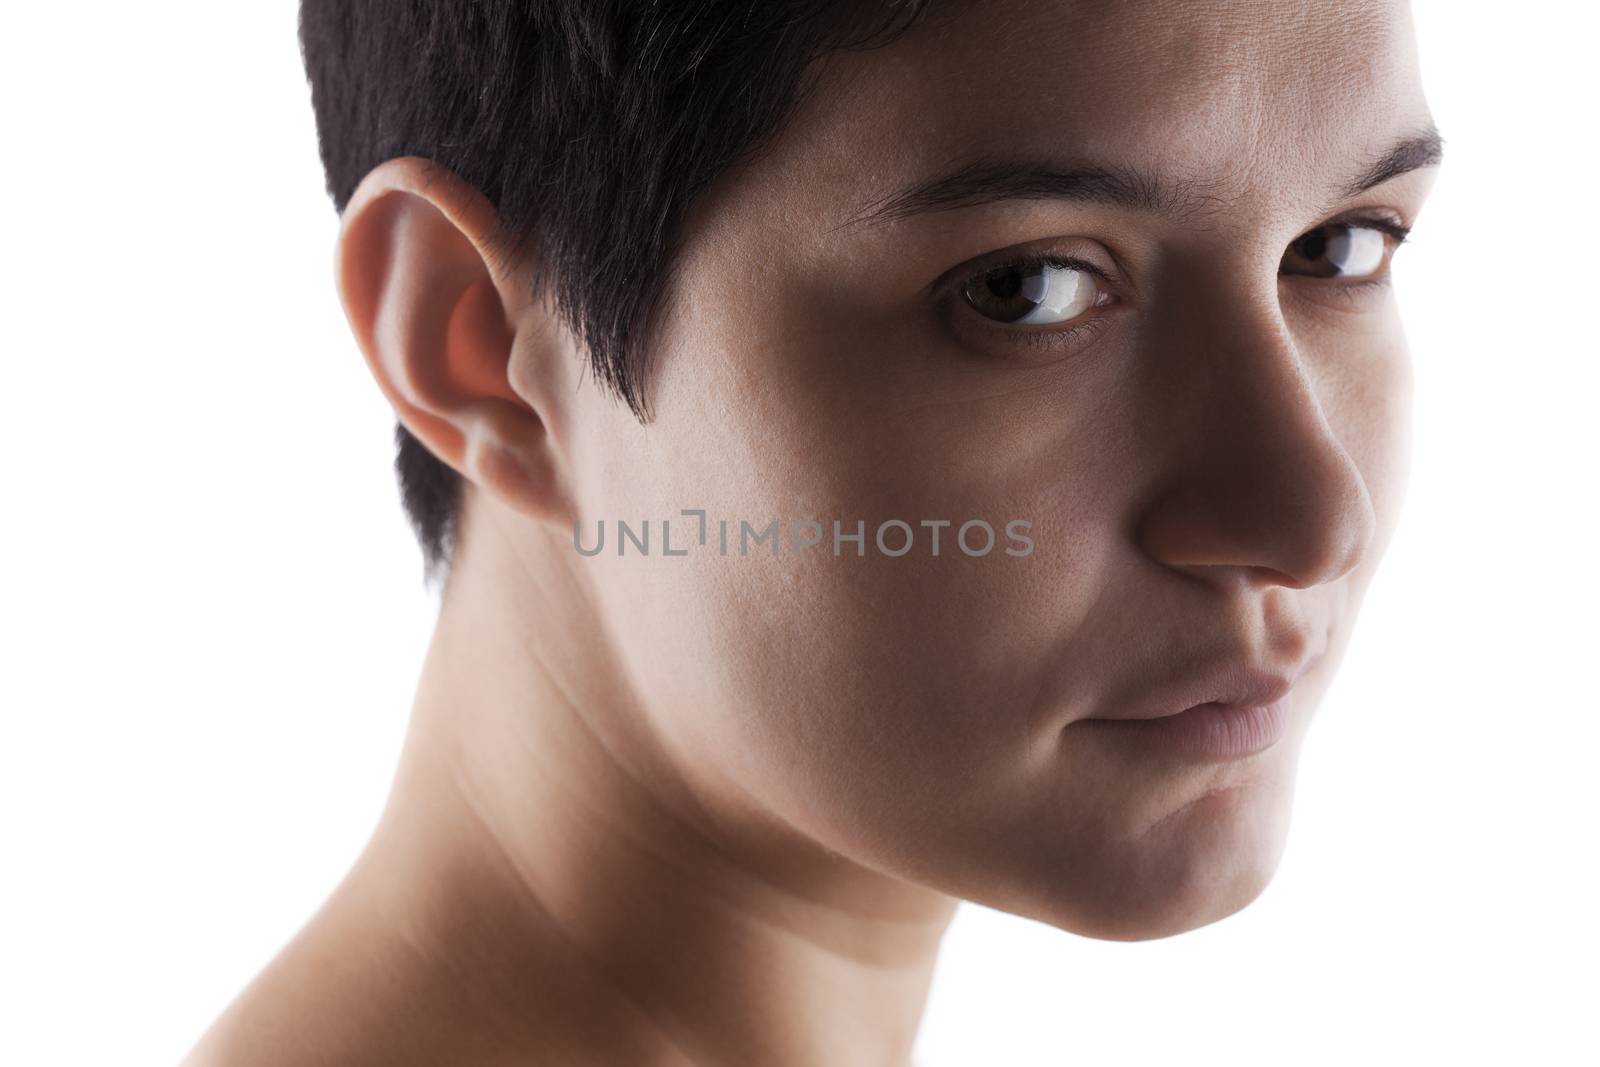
{"x":1042,"y":336}
{"x":1398,"y":232}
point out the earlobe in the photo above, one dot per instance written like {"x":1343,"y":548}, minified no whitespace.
{"x":438,"y":328}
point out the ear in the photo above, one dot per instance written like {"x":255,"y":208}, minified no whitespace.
{"x":439,"y":324}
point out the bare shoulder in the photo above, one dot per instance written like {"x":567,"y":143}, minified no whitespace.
{"x":350,"y":990}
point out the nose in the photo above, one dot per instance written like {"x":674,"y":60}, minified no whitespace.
{"x":1255,"y":482}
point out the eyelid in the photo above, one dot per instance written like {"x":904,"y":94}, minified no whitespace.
{"x":950,"y":301}
{"x":1051,"y":259}
{"x":946,"y":290}
{"x":949,"y":289}
{"x":1387,"y":224}
{"x":949,"y":283}
{"x":1398,"y":232}
{"x":1390,"y":224}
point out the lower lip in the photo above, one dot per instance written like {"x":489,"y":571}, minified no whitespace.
{"x":1205,"y":731}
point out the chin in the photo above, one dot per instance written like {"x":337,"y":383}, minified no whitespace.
{"x":1193,"y":866}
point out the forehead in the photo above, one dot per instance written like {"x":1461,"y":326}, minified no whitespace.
{"x":1262,"y":105}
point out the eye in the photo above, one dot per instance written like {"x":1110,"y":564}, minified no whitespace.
{"x":1033,"y":292}
{"x":1355,"y":250}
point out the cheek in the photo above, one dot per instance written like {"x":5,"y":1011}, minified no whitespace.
{"x":835,"y":684}
{"x":1394,"y":467}
{"x":864,"y":700}
{"x":848,"y":691}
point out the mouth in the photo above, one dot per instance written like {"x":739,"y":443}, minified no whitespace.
{"x":1211,"y":731}
{"x":1238,"y":709}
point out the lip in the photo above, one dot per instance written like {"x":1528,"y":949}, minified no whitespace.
{"x":1205,"y":731}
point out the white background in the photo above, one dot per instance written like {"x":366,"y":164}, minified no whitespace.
{"x":213,"y":612}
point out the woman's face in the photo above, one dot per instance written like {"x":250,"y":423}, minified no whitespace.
{"x":1201,"y":418}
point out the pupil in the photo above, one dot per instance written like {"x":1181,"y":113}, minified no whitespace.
{"x":1005,"y":283}
{"x":1313,"y":244}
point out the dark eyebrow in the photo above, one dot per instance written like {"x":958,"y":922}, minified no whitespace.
{"x":987,"y":180}
{"x":1425,"y":149}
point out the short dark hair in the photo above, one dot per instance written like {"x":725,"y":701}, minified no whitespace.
{"x":590,"y":125}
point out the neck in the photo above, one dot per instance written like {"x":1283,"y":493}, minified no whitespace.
{"x":688,"y":923}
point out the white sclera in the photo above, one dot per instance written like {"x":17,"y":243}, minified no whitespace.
{"x":1356,"y":250}
{"x":1059,"y":292}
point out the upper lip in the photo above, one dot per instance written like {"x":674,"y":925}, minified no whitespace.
{"x":1238,"y":683}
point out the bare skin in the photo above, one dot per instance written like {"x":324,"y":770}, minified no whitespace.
{"x":720,"y":810}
